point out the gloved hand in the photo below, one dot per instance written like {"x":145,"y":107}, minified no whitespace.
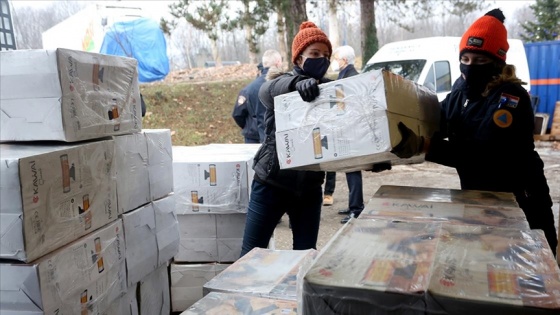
{"x":308,"y":89}
{"x":380,"y":167}
{"x":410,"y":145}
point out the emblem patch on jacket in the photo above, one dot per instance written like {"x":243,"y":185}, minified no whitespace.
{"x":241,"y":100}
{"x":508,"y":100}
{"x":503,"y":118}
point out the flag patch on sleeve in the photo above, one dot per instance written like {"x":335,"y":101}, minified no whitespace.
{"x":508,"y":100}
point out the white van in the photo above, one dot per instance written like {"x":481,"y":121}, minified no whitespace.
{"x":434,"y":61}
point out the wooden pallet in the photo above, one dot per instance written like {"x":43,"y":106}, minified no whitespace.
{"x":547,"y":137}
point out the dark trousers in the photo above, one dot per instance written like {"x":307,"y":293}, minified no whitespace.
{"x":268,"y":204}
{"x":249,"y":140}
{"x":356,"y":193}
{"x":330,"y":183}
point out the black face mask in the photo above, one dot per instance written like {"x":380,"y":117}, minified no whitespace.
{"x":316,"y":67}
{"x":477,"y":77}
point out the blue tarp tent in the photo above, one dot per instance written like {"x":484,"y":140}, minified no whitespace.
{"x":143,"y":40}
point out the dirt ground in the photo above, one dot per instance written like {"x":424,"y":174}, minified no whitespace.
{"x":425,"y":175}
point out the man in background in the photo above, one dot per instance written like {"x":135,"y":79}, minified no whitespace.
{"x":248,"y":111}
{"x":343,"y":61}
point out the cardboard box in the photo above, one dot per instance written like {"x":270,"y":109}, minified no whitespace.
{"x":211,"y":179}
{"x":264,"y":273}
{"x":507,"y":271}
{"x":50,"y":195}
{"x":372,"y":264}
{"x":141,"y":243}
{"x":167,"y":229}
{"x":125,"y":305}
{"x":353,"y":122}
{"x":160,"y":162}
{"x":454,"y":213}
{"x":224,"y":303}
{"x":67,"y":95}
{"x":154,"y":297}
{"x":210,"y":237}
{"x":187,"y":281}
{"x":456,"y":196}
{"x":86,"y":275}
{"x":131,"y":156}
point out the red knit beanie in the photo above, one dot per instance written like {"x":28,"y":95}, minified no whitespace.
{"x":308,"y":34}
{"x":487,"y":36}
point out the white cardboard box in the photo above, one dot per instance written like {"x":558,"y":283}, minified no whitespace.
{"x":353,"y":122}
{"x":125,"y":305}
{"x":141,"y":243}
{"x":211,"y":179}
{"x":133,"y":185}
{"x":51,"y":195}
{"x":227,"y":303}
{"x":187,"y":281}
{"x":67,"y":95}
{"x":154,"y":297}
{"x":88,"y":274}
{"x":160,"y":162}
{"x":210,"y":237}
{"x":167,"y":228}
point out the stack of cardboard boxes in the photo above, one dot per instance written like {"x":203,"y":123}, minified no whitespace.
{"x":212,"y":188}
{"x":71,"y":213}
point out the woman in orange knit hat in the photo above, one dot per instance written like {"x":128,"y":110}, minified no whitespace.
{"x":274,"y":191}
{"x":488,"y":121}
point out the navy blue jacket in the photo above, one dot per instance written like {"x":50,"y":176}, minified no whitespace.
{"x":248,"y":111}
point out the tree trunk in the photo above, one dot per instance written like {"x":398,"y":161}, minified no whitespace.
{"x":253,"y":48}
{"x":295,"y":15}
{"x":216,"y":53}
{"x":281,"y":39}
{"x":369,"y":41}
{"x":334,"y":30}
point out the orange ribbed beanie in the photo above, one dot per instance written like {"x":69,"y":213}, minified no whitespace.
{"x":487,"y":35}
{"x":308,"y":34}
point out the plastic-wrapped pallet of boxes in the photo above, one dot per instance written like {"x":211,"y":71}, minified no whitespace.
{"x":211,"y":185}
{"x":53,"y":194}
{"x":83,"y":277}
{"x":153,"y":293}
{"x":454,"y":213}
{"x":264,"y":273}
{"x":227,"y":303}
{"x":353,"y":122}
{"x":67,"y":95}
{"x":487,"y":270}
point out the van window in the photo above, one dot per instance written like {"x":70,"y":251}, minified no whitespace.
{"x":409,"y":69}
{"x":439,"y":77}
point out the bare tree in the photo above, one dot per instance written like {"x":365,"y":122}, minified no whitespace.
{"x":334,"y":28}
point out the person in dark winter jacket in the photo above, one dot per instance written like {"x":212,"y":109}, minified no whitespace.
{"x":248,"y":111}
{"x":486,"y":130}
{"x":274,"y":191}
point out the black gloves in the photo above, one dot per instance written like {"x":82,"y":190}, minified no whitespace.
{"x":410,"y":145}
{"x":308,"y":89}
{"x":380,"y":167}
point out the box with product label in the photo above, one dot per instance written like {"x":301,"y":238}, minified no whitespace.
{"x":445,"y":195}
{"x":85,"y":276}
{"x":226,"y":303}
{"x":489,"y":270}
{"x":372,"y":264}
{"x":125,"y":305}
{"x":167,"y":228}
{"x":141,"y":243}
{"x":210,"y":237}
{"x":187,"y":281}
{"x":160,"y":162}
{"x":131,"y":160}
{"x":211,"y":179}
{"x":353,"y":122}
{"x":263,"y":272}
{"x":153,"y":293}
{"x":67,"y":95}
{"x":53,"y":194}
{"x":454,"y":213}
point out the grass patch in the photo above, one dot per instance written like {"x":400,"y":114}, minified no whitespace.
{"x":196,"y":113}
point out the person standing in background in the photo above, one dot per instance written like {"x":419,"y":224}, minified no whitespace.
{"x":248,"y":111}
{"x":343,"y":61}
{"x":276,"y":191}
